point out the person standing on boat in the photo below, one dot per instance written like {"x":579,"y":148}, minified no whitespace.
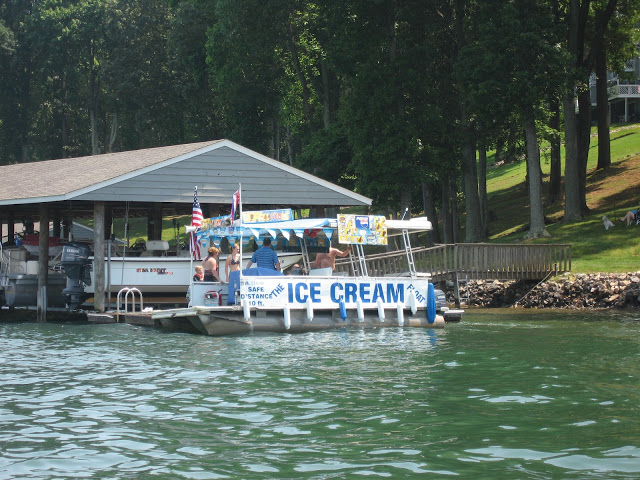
{"x":210,"y":265}
{"x":326,"y":260}
{"x":233,"y":260}
{"x":265,"y":257}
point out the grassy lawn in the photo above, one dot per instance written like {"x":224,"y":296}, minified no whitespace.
{"x":611,"y":193}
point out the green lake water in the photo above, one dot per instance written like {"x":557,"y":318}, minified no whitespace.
{"x":503,"y":395}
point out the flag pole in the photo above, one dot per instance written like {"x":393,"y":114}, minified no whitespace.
{"x":192,"y":247}
{"x":240,"y":200}
{"x":241,"y":237}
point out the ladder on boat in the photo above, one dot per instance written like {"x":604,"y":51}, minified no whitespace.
{"x":407,"y":248}
{"x":128,"y":291}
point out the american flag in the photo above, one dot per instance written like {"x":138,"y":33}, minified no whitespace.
{"x":234,"y":204}
{"x":196,"y":221}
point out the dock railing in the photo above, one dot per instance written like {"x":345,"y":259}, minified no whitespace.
{"x":473,"y":261}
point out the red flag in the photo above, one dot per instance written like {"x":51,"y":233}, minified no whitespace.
{"x":234,"y":204}
{"x":196,"y":221}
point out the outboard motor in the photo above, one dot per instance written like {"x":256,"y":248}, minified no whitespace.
{"x":77,"y":267}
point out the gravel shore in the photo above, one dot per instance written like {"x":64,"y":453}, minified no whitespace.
{"x":597,"y":290}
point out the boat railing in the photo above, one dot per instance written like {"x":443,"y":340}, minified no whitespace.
{"x":128,"y":291}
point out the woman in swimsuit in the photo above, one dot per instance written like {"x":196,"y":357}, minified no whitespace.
{"x":210,"y":265}
{"x":233,"y":260}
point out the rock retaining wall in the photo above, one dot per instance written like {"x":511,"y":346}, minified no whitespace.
{"x":599,"y":290}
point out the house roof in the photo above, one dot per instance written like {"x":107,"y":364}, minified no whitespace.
{"x":169,"y":174}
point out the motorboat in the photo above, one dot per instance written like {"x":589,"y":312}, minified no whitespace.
{"x":264,"y":300}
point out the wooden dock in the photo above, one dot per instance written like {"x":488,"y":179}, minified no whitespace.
{"x":472,"y":261}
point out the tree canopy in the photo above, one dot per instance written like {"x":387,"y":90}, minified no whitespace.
{"x":391,"y":98}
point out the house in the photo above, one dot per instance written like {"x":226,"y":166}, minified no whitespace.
{"x":623,"y":93}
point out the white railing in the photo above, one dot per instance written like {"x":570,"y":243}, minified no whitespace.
{"x":632,"y":91}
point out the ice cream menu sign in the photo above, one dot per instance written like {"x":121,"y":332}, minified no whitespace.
{"x":362,"y":229}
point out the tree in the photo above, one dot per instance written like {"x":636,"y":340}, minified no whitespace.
{"x":513,"y":48}
{"x":16,"y":108}
{"x":7,"y":41}
{"x":619,"y":46}
{"x":587,"y":25}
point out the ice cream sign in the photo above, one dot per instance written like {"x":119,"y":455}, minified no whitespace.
{"x":329,"y":292}
{"x":362,"y":229}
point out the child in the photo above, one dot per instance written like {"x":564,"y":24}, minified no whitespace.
{"x":199,"y":276}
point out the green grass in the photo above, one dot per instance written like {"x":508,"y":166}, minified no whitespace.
{"x":611,"y":193}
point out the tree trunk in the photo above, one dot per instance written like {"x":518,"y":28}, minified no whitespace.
{"x":447,"y":220}
{"x":584,"y":140}
{"x":555,"y":175}
{"x":453,"y":202}
{"x":290,"y":149}
{"x":114,"y":133}
{"x":306,"y":96}
{"x":572,"y":211}
{"x":327,"y":114}
{"x":430,"y":212}
{"x":536,"y":213}
{"x":604,"y":141}
{"x":93,"y":111}
{"x":473,"y":221}
{"x":63,"y":116}
{"x":482,"y":189}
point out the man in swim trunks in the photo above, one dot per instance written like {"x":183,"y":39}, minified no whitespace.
{"x":326,"y":260}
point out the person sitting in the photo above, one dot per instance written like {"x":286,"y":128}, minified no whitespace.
{"x":210,"y":265}
{"x":233,"y":260}
{"x":328,"y":260}
{"x":199,"y":276}
{"x":265,"y":257}
{"x":630,"y":217}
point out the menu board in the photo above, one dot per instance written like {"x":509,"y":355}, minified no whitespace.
{"x":215,"y":222}
{"x":267,"y":216}
{"x":362,"y":229}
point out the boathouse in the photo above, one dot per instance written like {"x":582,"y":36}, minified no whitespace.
{"x":151,"y":183}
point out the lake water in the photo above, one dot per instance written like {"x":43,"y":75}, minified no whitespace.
{"x":502,"y":395}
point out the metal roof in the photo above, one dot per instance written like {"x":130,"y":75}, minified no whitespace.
{"x":168,"y":174}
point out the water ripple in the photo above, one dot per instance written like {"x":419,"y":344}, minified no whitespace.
{"x":115,"y":401}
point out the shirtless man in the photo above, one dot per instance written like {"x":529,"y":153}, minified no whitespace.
{"x":325,"y":260}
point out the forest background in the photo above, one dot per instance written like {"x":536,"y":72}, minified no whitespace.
{"x":400,"y":100}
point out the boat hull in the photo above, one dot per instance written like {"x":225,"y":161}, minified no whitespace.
{"x":220,"y":321}
{"x":22,"y":290}
{"x":162,"y":274}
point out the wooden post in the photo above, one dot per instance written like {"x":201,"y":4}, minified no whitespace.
{"x":43,"y":263}
{"x":56,"y":223}
{"x":108,"y":222}
{"x":154,"y":226}
{"x":98,"y":256}
{"x":66,"y":226}
{"x":11,"y":228}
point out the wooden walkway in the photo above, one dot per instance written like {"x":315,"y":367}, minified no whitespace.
{"x":472,"y":261}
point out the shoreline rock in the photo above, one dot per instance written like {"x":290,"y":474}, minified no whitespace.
{"x":572,"y":291}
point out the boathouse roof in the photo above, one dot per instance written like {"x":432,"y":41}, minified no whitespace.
{"x":168,"y":175}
